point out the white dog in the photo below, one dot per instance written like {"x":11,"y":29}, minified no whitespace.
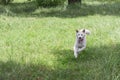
{"x":80,"y":43}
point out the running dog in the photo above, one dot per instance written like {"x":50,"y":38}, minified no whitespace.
{"x":80,"y":43}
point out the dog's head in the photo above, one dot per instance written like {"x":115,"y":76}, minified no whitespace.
{"x":80,"y":34}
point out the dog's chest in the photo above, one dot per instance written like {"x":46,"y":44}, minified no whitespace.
{"x":80,"y":45}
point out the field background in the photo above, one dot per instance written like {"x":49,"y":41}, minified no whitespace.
{"x":36,"y":43}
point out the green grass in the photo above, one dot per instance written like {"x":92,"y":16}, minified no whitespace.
{"x":37,"y":43}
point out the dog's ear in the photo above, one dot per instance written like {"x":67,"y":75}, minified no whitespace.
{"x":83,"y":31}
{"x":77,"y":31}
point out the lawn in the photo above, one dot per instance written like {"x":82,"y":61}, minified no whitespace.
{"x":36,"y":43}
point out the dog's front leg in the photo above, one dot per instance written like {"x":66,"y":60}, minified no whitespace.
{"x":75,"y":52}
{"x":80,"y":49}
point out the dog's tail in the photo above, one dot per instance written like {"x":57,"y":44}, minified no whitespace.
{"x":86,"y":31}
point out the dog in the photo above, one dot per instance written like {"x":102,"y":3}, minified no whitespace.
{"x":80,"y":43}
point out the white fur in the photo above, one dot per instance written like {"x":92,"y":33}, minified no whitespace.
{"x":80,"y":43}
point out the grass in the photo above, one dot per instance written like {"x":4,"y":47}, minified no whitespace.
{"x":36,"y":44}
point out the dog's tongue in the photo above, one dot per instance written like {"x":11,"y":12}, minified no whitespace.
{"x":80,"y":40}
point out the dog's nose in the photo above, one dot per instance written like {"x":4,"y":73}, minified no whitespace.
{"x":79,"y":37}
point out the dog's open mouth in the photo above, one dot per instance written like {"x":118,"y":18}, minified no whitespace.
{"x":80,"y":40}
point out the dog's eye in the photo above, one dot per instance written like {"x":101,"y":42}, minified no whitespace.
{"x":81,"y":34}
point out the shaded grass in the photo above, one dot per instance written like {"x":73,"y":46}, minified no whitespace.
{"x":86,"y":9}
{"x":30,"y":9}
